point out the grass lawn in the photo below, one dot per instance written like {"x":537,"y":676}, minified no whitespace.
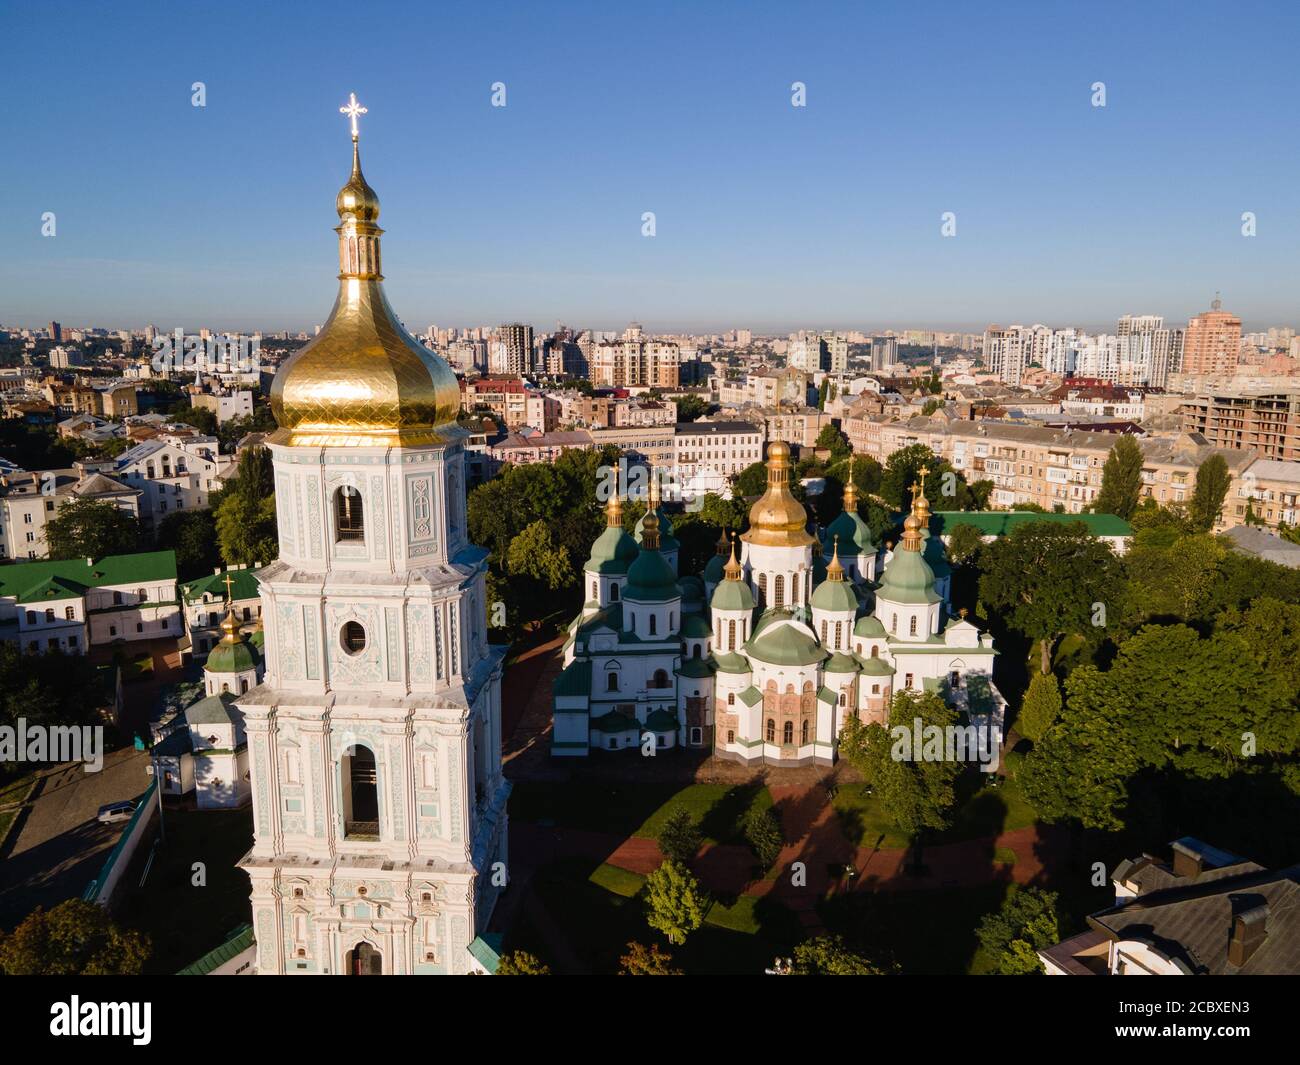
{"x":185,"y":921}
{"x":6,"y":819}
{"x":138,"y":668}
{"x":597,"y":918}
{"x":16,"y":790}
{"x":620,"y":881}
{"x":637,"y":809}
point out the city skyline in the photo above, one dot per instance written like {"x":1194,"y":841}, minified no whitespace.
{"x":767,"y":215}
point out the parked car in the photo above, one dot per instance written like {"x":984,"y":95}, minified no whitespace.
{"x":116,"y":811}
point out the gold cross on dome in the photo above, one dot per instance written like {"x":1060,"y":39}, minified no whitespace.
{"x":230,"y":598}
{"x":352,"y":109}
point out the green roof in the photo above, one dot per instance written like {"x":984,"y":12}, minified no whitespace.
{"x":661,"y":721}
{"x":751,"y":695}
{"x":243,"y":585}
{"x":611,"y":552}
{"x":714,"y":569}
{"x":908,"y":579}
{"x":667,"y":542}
{"x":72,"y":576}
{"x":873,"y":666}
{"x":695,"y":668}
{"x":692,"y":589}
{"x":835,"y":595}
{"x":825,"y":695}
{"x":869,"y":625}
{"x":1003,"y":522}
{"x":574,"y":679}
{"x":240,"y":940}
{"x":694,"y":627}
{"x":936,"y":557}
{"x":854,"y":535}
{"x":214,"y":710}
{"x":733,"y":595}
{"x":486,"y":950}
{"x":841,"y":663}
{"x":614,"y":722}
{"x":650,"y":579}
{"x":785,"y":645}
{"x":730,"y":662}
{"x":231,"y":658}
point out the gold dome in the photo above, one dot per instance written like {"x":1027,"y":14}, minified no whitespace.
{"x":778,"y":519}
{"x":363,"y":381}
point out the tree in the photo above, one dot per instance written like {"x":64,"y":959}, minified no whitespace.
{"x":641,"y":960}
{"x":833,"y":440}
{"x":964,"y":543}
{"x":521,"y":963}
{"x":1172,"y":575}
{"x":1212,"y":481}
{"x":945,"y":488}
{"x":689,"y":408}
{"x":676,"y":902}
{"x":533,"y":553}
{"x":192,"y":534}
{"x":1041,"y":707}
{"x":246,"y":531}
{"x":1026,"y":922}
{"x":762,"y":831}
{"x":88,"y":528}
{"x":1046,"y":580}
{"x":828,"y":956}
{"x":1121,"y":479}
{"x":680,"y":838}
{"x":751,"y":481}
{"x":199,"y":417}
{"x":916,"y":792}
{"x":823,"y":390}
{"x":75,"y":938}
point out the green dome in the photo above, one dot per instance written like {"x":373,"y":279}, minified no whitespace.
{"x":713,"y":572}
{"x":936,"y":557}
{"x":650,"y":579}
{"x":854,"y":534}
{"x":692,"y":589}
{"x":841,"y":663}
{"x":231,"y":658}
{"x":258,"y":639}
{"x":835,"y":595}
{"x":875,"y":667}
{"x":612,"y":552}
{"x":786,"y":645}
{"x":869,"y":626}
{"x":908,"y":579}
{"x":733,"y":595}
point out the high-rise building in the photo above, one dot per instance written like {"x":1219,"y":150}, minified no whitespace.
{"x":807,"y":352}
{"x":884,"y":352}
{"x":510,"y":350}
{"x":1147,"y":352}
{"x":1212,"y":344}
{"x":1004,"y":352}
{"x":56,"y":332}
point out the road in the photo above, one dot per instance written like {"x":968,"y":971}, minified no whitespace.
{"x":60,"y":845}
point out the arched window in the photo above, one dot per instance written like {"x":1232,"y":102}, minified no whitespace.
{"x":911,"y":626}
{"x":771,"y":730}
{"x":695,"y":651}
{"x":613,"y":593}
{"x":823,"y":633}
{"x":660,"y":679}
{"x":353,"y":638}
{"x":762,"y":589}
{"x":787,"y":733}
{"x":611,"y":682}
{"x":360,"y":782}
{"x":652,"y":624}
{"x":803,"y":732}
{"x":893,"y":622}
{"x":731,"y":698}
{"x":595,"y":589}
{"x":731,"y":635}
{"x":839,"y":630}
{"x":875,"y":650}
{"x":780,"y":590}
{"x":349,"y":521}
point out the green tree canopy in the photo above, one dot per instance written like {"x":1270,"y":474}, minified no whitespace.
{"x":1041,"y":706}
{"x":827,"y":955}
{"x":1212,"y":481}
{"x":676,"y":902}
{"x":680,"y":838}
{"x":521,"y":963}
{"x":641,"y":960}
{"x":1026,"y":922}
{"x":88,"y":528}
{"x":1121,"y":479}
{"x":75,"y":938}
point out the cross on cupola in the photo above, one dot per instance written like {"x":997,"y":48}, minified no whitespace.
{"x":352,"y":109}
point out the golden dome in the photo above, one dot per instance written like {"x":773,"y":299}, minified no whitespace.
{"x":363,"y":381}
{"x":778,"y":519}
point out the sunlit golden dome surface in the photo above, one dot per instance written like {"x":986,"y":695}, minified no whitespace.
{"x":778,"y":519}
{"x":363,"y":381}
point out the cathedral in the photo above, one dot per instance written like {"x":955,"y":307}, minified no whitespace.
{"x":763,"y":657}
{"x":374,"y":737}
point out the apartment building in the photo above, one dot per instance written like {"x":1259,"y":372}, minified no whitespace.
{"x":798,"y":428}
{"x":173,"y":472}
{"x":649,"y":444}
{"x":225,"y":405}
{"x":765,"y":388}
{"x":1212,"y":343}
{"x":1271,"y":491}
{"x":506,"y":397}
{"x":640,"y":412}
{"x":523,"y":449}
{"x":28,"y":501}
{"x":1267,"y":422}
{"x":717,"y":450}
{"x":510,"y":351}
{"x":79,"y":603}
{"x":634,"y":362}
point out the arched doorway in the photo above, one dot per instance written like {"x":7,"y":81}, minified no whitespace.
{"x":360,"y":794}
{"x":364,"y":960}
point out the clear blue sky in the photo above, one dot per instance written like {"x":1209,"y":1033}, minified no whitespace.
{"x":768,"y":216}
